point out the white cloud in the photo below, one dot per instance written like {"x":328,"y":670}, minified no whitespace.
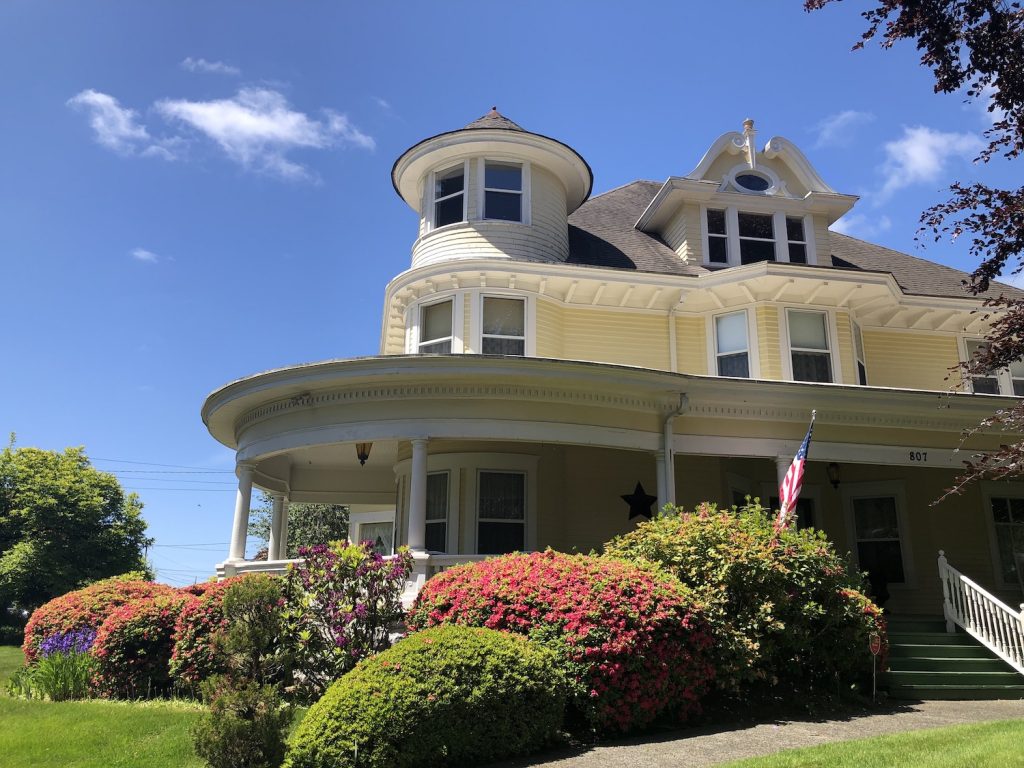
{"x":983,"y":102}
{"x":861,"y":225}
{"x":116,"y":127}
{"x":209,"y":67}
{"x":837,"y":130}
{"x":257,"y":127}
{"x":141,"y":254}
{"x":921,"y":155}
{"x":382,"y":103}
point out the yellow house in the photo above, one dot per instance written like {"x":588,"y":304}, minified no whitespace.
{"x":548,"y":353}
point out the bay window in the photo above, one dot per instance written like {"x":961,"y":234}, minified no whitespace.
{"x":858,"y":351}
{"x":504,"y":326}
{"x":1008,"y":381}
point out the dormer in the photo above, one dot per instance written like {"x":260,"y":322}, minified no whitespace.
{"x":741,"y":205}
{"x":491,"y":190}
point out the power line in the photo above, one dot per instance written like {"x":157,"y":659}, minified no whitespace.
{"x":153,"y":464}
{"x":193,"y":490}
{"x":171,"y":471}
{"x":192,"y":546}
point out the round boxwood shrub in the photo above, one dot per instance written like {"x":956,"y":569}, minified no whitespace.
{"x":133,"y":648}
{"x":631,"y":640}
{"x":85,"y":609}
{"x":444,"y":696}
{"x":194,"y":657}
{"x":785,"y":605}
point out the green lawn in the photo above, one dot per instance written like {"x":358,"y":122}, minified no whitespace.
{"x":984,"y":745}
{"x":10,"y":660}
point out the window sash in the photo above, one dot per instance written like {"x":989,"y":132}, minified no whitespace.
{"x":732,"y":358}
{"x":501,"y":512}
{"x":494,"y":194}
{"x":492,"y":340}
{"x":459,"y":195}
{"x":880,"y":549}
{"x":441,"y":343}
{"x":858,"y":354}
{"x":811,"y":363}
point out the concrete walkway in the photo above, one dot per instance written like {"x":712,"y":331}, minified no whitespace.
{"x":724,"y":743}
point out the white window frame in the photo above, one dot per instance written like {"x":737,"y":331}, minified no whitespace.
{"x":991,"y":489}
{"x":448,"y":507}
{"x":859,"y":355}
{"x":503,"y":521}
{"x":753,"y":358}
{"x":781,"y":219}
{"x":483,"y":300}
{"x":774,"y":239}
{"x":414,"y":320}
{"x":476,"y":318}
{"x":732,"y":237}
{"x":525,"y":205}
{"x":830,"y":333}
{"x":873,"y":490}
{"x":358,"y":519}
{"x":432,"y":202}
{"x":517,"y":463}
{"x":1004,"y":379}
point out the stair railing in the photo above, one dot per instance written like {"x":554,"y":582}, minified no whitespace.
{"x":982,"y":615}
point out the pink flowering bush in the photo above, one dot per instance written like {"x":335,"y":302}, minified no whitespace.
{"x":632,"y":641}
{"x":341,"y":605}
{"x":194,"y":657}
{"x":133,"y":648}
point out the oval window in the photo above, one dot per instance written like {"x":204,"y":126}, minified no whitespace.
{"x":753,"y":182}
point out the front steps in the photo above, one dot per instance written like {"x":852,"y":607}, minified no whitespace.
{"x":926,"y":662}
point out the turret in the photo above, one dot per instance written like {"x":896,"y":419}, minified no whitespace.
{"x":492,"y":190}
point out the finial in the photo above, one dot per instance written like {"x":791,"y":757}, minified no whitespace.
{"x":748,"y":124}
{"x":748,"y":139}
{"x":494,"y":111}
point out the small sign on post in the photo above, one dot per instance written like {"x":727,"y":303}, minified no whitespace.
{"x":875,"y":646}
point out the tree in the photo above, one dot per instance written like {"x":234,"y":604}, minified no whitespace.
{"x":977,"y":45}
{"x":63,"y":525}
{"x":308,"y":524}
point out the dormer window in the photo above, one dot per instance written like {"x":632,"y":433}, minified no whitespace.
{"x":757,"y":238}
{"x":796,"y":241}
{"x":718,"y":238}
{"x":503,"y":191}
{"x":733,"y":237}
{"x":450,"y":195}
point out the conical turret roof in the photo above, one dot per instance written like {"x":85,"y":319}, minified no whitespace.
{"x":494,"y":119}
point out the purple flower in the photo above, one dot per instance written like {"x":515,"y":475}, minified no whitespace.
{"x":76,"y":641}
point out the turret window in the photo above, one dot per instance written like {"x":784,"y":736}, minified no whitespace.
{"x":504,"y":326}
{"x":503,"y":191}
{"x":450,"y":195}
{"x":436,"y":328}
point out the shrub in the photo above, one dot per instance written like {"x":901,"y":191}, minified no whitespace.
{"x":785,"y":605}
{"x":85,"y":609}
{"x":63,"y":676}
{"x":133,"y":648}
{"x":253,"y":643}
{"x":244,"y":727}
{"x":194,"y":657}
{"x":444,"y":696}
{"x":342,"y":603}
{"x":631,"y":640}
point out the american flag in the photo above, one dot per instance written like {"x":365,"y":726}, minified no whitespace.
{"x":789,"y":491}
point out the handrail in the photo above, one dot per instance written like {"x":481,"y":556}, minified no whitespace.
{"x":982,"y":615}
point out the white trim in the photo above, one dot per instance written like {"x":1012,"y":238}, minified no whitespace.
{"x":525,"y":178}
{"x":357,"y":519}
{"x":776,"y":186}
{"x":712,"y":328}
{"x":1003,"y":376}
{"x":432,"y":187}
{"x":458,"y":315}
{"x":812,"y":251}
{"x":1000,"y":490}
{"x":830,"y":333}
{"x":872,"y":490}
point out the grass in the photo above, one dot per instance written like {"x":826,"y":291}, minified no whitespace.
{"x":983,"y":745}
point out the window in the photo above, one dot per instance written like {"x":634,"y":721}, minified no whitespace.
{"x":858,"y":352}
{"x":879,"y":550}
{"x":808,"y":346}
{"x":450,"y":195}
{"x":797,"y":243}
{"x":1008,"y":520}
{"x":501,"y":512}
{"x":1008,"y":382}
{"x":731,"y":346}
{"x":753,"y":182}
{"x":437,"y":512}
{"x":504,"y":326}
{"x":503,"y":191}
{"x":436,"y":329}
{"x":757,"y":237}
{"x":804,"y":510}
{"x":718,"y":240}
{"x":380,"y":535}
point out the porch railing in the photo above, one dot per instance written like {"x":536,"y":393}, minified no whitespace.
{"x":982,"y":615}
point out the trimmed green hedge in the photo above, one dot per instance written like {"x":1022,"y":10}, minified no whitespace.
{"x":445,"y":696}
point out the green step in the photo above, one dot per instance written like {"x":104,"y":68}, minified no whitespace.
{"x":944,"y":664}
{"x":957,"y":692}
{"x":922,"y":624}
{"x":980,"y":679}
{"x":928,"y":638}
{"x":918,"y":650}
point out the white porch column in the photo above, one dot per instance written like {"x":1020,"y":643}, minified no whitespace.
{"x":782,"y":464}
{"x":417,"y":537}
{"x":274,"y":546}
{"x":241,"y":527}
{"x":659,"y":466}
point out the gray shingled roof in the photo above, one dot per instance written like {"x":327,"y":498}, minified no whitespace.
{"x":494,"y":119}
{"x":602,"y":234}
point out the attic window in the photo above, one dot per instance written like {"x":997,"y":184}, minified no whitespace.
{"x":753,"y":182}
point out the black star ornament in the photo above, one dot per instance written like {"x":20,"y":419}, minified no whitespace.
{"x":640,"y":502}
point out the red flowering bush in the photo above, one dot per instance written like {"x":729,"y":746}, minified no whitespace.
{"x":785,"y":606}
{"x":194,"y":657}
{"x":631,"y":640}
{"x":85,"y":609}
{"x":133,"y":648}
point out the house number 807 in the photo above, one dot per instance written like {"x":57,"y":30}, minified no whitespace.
{"x":919,"y":455}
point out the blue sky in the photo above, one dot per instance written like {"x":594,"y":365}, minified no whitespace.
{"x":192,"y":192}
